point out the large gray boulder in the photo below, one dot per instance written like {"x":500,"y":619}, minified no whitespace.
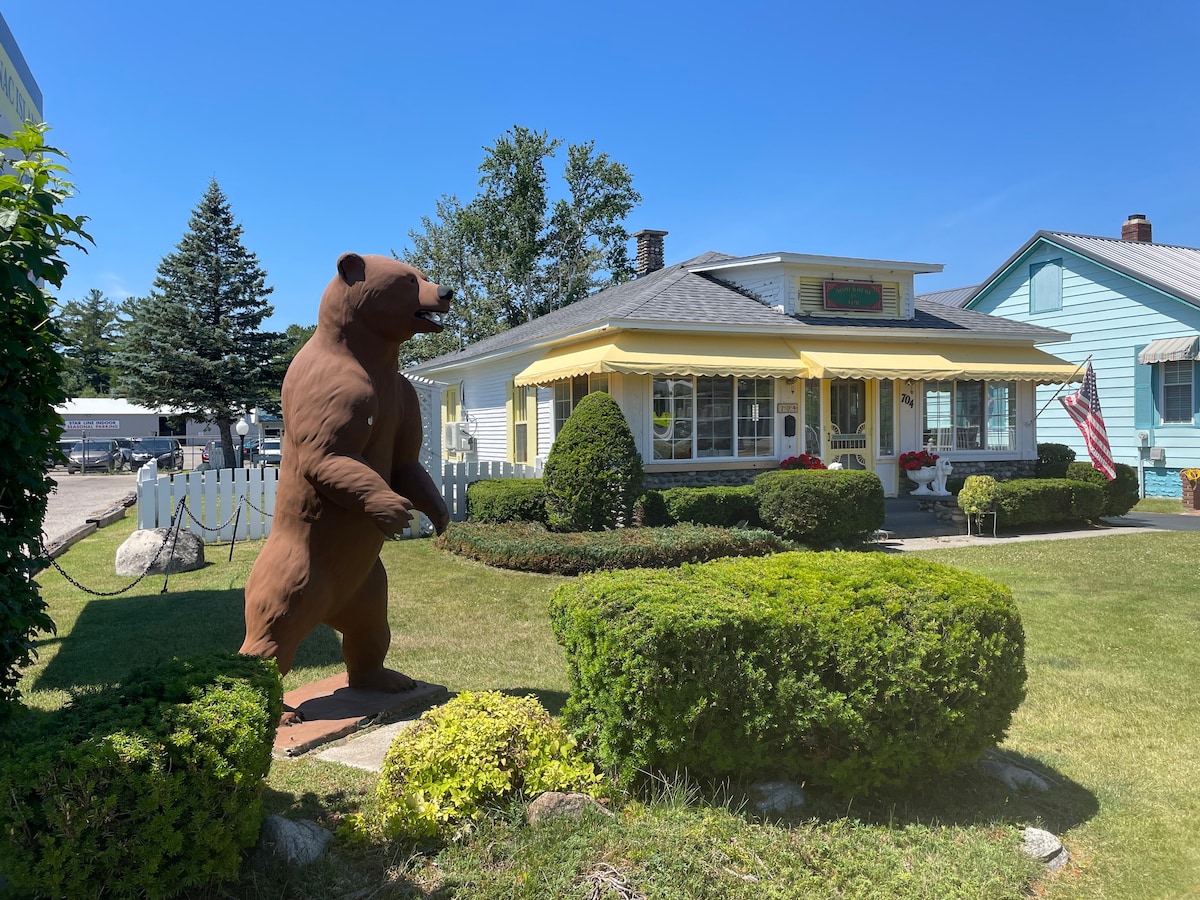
{"x":146,"y":552}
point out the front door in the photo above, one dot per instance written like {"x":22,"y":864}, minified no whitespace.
{"x":848,"y":432}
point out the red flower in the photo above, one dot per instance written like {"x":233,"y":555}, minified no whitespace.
{"x":803,"y":461}
{"x":917,"y":459}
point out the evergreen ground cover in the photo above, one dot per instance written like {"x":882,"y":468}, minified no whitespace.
{"x":1109,"y":718}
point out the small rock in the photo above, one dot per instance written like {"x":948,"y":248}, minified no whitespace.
{"x":299,"y":842}
{"x":777,"y":798}
{"x":557,"y":803}
{"x":1044,"y":846}
{"x":135,"y":555}
{"x":1016,"y":778}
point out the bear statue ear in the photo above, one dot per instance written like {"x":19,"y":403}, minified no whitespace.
{"x":352,"y":268}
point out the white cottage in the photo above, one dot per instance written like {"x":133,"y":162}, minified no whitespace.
{"x":725,"y":366}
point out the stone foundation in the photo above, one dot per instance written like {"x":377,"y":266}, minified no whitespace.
{"x":659,"y":481}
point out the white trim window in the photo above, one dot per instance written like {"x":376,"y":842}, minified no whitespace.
{"x":568,"y":393}
{"x":1175,"y":391}
{"x":969,"y":415}
{"x":713,"y":417}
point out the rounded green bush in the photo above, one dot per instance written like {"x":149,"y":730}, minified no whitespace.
{"x":593,"y":475}
{"x":1120,"y":495}
{"x":845,"y":669}
{"x":472,"y":753}
{"x":145,"y":789}
{"x":978,"y":494}
{"x":820,"y":506}
{"x":1053,"y":460}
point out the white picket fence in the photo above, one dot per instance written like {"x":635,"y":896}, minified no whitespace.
{"x":215,"y":500}
{"x":214,"y":497}
{"x":456,"y":477}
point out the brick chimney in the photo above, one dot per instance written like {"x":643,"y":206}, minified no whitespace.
{"x":649,"y":251}
{"x":1136,"y":228}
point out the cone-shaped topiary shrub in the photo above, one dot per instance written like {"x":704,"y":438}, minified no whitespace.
{"x":593,"y":476}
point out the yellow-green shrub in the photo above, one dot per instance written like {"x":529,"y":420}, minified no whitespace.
{"x":477,"y":751}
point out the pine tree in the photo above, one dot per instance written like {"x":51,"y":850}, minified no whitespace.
{"x":88,"y":335}
{"x":195,"y":344}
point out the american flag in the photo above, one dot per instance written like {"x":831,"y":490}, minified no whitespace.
{"x":1084,"y":408}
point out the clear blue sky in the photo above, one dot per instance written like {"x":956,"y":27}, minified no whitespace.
{"x":944,"y":132}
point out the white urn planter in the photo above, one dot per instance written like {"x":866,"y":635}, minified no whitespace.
{"x":922,"y":478}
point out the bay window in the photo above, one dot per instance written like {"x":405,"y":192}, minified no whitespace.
{"x":711,"y":417}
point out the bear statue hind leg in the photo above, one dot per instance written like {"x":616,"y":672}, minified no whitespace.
{"x":366,"y":637}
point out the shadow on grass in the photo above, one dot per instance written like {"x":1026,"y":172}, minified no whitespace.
{"x":968,"y":796}
{"x":552,"y":700}
{"x":113,"y":635}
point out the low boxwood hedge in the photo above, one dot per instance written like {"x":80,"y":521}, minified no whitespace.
{"x":141,"y":790}
{"x":820,"y":506}
{"x":850,"y":670}
{"x":529,"y":547}
{"x":506,"y":500}
{"x":715,"y":505}
{"x":1037,"y":501}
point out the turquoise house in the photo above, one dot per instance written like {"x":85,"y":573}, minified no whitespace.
{"x":1133,"y":306}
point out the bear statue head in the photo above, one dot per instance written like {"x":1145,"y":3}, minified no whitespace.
{"x":382,"y":296}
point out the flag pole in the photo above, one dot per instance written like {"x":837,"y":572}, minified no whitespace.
{"x":1063,"y":385}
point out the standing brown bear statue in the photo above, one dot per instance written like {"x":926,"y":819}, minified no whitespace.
{"x":350,"y":475}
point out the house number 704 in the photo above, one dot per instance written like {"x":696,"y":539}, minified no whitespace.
{"x":907,"y":400}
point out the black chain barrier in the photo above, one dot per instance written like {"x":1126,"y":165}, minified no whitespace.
{"x":171,"y":536}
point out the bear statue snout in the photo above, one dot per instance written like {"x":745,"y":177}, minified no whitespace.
{"x":445,"y":294}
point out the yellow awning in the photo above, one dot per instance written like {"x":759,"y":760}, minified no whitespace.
{"x":646,"y":353}
{"x":936,"y":362}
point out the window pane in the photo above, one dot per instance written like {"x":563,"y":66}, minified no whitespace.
{"x":887,"y":417}
{"x":938,"y":419}
{"x":1177,"y":391}
{"x":1001,"y":417}
{"x":562,"y":404}
{"x":968,"y":415}
{"x":673,"y":418}
{"x":812,"y":416}
{"x":756,"y":419}
{"x":714,"y":417}
{"x":579,"y":388}
{"x":598,"y":382}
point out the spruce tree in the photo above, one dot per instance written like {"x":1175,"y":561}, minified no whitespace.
{"x":195,"y":344}
{"x":88,"y":335}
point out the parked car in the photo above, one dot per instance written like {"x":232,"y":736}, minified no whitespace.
{"x":60,"y":458}
{"x":126,"y":445}
{"x":268,"y":453}
{"x":98,"y":455}
{"x":167,"y":452}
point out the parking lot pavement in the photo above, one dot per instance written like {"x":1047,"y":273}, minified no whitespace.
{"x":79,"y":496}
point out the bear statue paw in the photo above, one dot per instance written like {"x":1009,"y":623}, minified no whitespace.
{"x":387,"y":680}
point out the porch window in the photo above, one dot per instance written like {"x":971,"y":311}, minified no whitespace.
{"x":713,"y":417}
{"x":969,"y":415}
{"x":812,"y":416}
{"x":887,"y":417}
{"x":568,"y":393}
{"x":1176,"y":403}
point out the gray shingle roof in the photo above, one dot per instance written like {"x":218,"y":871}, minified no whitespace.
{"x":676,"y":295}
{"x":953,"y":297}
{"x":1172,"y":270}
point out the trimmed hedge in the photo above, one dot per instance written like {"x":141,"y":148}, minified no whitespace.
{"x":820,"y":506}
{"x":717,"y":505}
{"x":144,"y":789}
{"x":850,"y":670}
{"x":1120,"y":495}
{"x":529,"y":547}
{"x":506,"y":500}
{"x":1035,"y":501}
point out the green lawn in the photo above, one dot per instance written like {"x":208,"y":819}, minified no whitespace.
{"x":1110,"y":719}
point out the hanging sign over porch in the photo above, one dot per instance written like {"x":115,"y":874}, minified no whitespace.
{"x":853,"y":296}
